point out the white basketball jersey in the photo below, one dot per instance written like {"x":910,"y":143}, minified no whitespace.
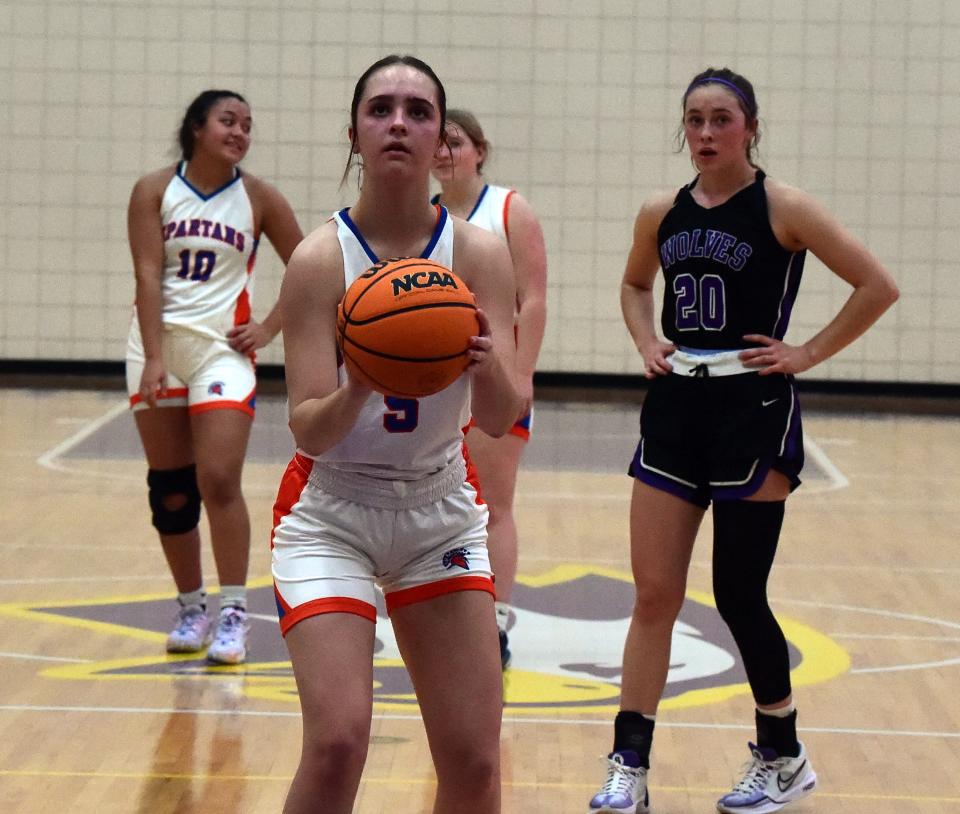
{"x":209,"y":248}
{"x":401,"y":438}
{"x":490,"y":210}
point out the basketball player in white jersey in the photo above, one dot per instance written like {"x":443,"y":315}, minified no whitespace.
{"x":507,"y":214}
{"x":194,"y":229}
{"x":377,"y":493}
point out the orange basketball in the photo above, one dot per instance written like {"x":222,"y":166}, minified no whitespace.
{"x":404,"y":327}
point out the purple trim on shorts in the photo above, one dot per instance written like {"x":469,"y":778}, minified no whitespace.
{"x":690,"y":494}
{"x":671,"y":487}
{"x":794,"y":433}
{"x":791,"y":462}
{"x":745,"y":490}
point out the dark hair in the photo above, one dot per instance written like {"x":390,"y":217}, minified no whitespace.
{"x":468,"y":123}
{"x":741,"y":88}
{"x":196,"y":117}
{"x":386,"y":62}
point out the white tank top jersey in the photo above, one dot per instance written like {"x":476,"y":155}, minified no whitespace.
{"x":209,"y":248}
{"x":490,"y":210}
{"x":401,"y":438}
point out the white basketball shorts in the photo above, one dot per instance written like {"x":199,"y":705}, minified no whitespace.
{"x":202,"y":373}
{"x":330,"y":552}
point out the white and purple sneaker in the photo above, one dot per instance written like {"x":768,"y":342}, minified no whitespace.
{"x":625,"y":791}
{"x":769,"y":782}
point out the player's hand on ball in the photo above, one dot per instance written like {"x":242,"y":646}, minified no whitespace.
{"x":357,"y":388}
{"x":480,"y":350}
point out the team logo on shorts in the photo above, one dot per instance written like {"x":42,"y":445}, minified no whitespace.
{"x":215,"y":389}
{"x":458,"y":557}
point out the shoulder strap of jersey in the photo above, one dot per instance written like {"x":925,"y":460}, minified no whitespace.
{"x":759,"y":195}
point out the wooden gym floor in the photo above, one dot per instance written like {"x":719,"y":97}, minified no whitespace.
{"x":94,"y":717}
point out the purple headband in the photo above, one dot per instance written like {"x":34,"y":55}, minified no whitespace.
{"x":740,"y":94}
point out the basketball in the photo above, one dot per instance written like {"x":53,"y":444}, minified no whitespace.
{"x":404,"y":327}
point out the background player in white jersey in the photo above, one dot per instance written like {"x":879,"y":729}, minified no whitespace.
{"x":362,"y":505}
{"x":721,"y":424}
{"x":503,"y":211}
{"x":193,"y":230}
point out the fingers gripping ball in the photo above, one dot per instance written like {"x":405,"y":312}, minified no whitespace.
{"x":404,"y":327}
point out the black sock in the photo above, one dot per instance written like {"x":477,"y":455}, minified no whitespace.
{"x":633,"y":731}
{"x":779,"y":734}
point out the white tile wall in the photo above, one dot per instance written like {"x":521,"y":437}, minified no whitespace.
{"x":581,"y":100}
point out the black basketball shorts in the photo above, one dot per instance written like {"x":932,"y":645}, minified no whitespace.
{"x":717,"y":437}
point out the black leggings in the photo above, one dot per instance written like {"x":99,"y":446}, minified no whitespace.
{"x":745,"y":535}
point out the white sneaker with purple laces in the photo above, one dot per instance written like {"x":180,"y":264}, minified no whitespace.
{"x":769,"y":782}
{"x":625,"y":791}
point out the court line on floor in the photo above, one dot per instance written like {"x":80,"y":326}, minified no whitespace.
{"x":429,"y":781}
{"x":618,"y":562}
{"x":889,"y":614}
{"x":893,"y":637}
{"x":508,"y":720}
{"x":48,"y":580}
{"x":837,"y":479}
{"x":551,"y":559}
{"x":49,"y":458}
{"x":624,"y":562}
{"x":899,"y":668}
{"x":886,"y":614}
{"x":37,"y":657}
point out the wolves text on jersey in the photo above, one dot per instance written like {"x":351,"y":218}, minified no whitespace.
{"x":710,"y":244}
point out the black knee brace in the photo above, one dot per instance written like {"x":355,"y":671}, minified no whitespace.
{"x":169,"y":485}
{"x":745,"y":536}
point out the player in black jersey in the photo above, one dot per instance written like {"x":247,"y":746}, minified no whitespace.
{"x":721,"y":423}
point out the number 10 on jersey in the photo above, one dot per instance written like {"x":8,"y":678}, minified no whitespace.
{"x":202,"y":263}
